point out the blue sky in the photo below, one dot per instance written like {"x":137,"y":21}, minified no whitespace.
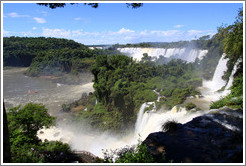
{"x":113,"y":23}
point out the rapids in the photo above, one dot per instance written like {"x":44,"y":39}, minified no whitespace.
{"x":16,"y":87}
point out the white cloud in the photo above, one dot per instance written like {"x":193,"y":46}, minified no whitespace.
{"x":125,"y":31}
{"x":59,"y":33}
{"x":34,"y":28}
{"x":16,"y":15}
{"x":78,"y":18}
{"x":194,"y":32}
{"x":39,"y":20}
{"x":178,"y":26}
{"x":21,"y":34}
{"x":78,"y":32}
{"x":44,"y":13}
{"x":122,"y":35}
{"x":199,"y":33}
{"x":165,"y":33}
{"x":6,"y":33}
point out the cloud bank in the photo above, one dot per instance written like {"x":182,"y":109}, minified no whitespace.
{"x":122,"y":36}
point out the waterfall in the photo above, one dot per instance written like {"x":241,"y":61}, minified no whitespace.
{"x":139,"y":118}
{"x":217,"y":82}
{"x":186,"y":54}
{"x":152,"y":121}
{"x":229,"y":83}
{"x":231,"y":78}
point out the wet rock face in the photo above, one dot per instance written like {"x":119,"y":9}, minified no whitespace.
{"x":212,"y":138}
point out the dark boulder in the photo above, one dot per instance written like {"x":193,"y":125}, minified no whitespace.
{"x":216,"y":137}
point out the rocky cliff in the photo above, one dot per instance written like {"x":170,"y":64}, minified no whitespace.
{"x":216,"y":137}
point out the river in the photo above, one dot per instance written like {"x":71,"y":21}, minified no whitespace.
{"x":16,"y":86}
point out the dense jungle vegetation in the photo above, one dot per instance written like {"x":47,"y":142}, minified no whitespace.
{"x":48,"y":56}
{"x":122,"y":85}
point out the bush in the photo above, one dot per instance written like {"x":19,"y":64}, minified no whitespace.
{"x":138,"y":154}
{"x":170,"y":126}
{"x":189,"y":106}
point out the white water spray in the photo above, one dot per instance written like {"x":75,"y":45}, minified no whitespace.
{"x":231,"y":78}
{"x":186,"y":54}
{"x":217,"y":82}
{"x":152,"y":121}
{"x":139,"y":118}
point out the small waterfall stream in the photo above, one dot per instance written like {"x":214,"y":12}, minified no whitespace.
{"x":138,"y":125}
{"x":217,"y":82}
{"x":231,"y":78}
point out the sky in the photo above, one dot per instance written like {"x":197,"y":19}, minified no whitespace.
{"x":113,"y":23}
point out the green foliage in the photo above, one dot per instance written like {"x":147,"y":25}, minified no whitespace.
{"x":20,"y":51}
{"x":65,"y":108}
{"x":30,"y":118}
{"x":23,"y":125}
{"x":233,"y":102}
{"x":48,"y":56}
{"x":55,"y":152}
{"x":170,"y":126}
{"x":190,"y":106}
{"x":93,"y":5}
{"x":138,"y":154}
{"x":235,"y":98}
{"x":233,"y":43}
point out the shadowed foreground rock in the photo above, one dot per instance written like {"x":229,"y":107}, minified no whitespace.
{"x":212,"y":138}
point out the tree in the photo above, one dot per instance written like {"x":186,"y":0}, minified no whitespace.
{"x":6,"y":144}
{"x":25,"y":145}
{"x":146,"y":57}
{"x":31,"y":118}
{"x":94,"y":5}
{"x":233,"y":43}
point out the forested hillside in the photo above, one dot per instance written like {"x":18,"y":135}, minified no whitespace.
{"x":19,"y":51}
{"x":49,"y":56}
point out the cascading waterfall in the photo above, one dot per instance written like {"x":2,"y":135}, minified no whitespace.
{"x":231,"y":78}
{"x":186,"y":54}
{"x":152,"y":121}
{"x":217,"y":82}
{"x":139,"y":118}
